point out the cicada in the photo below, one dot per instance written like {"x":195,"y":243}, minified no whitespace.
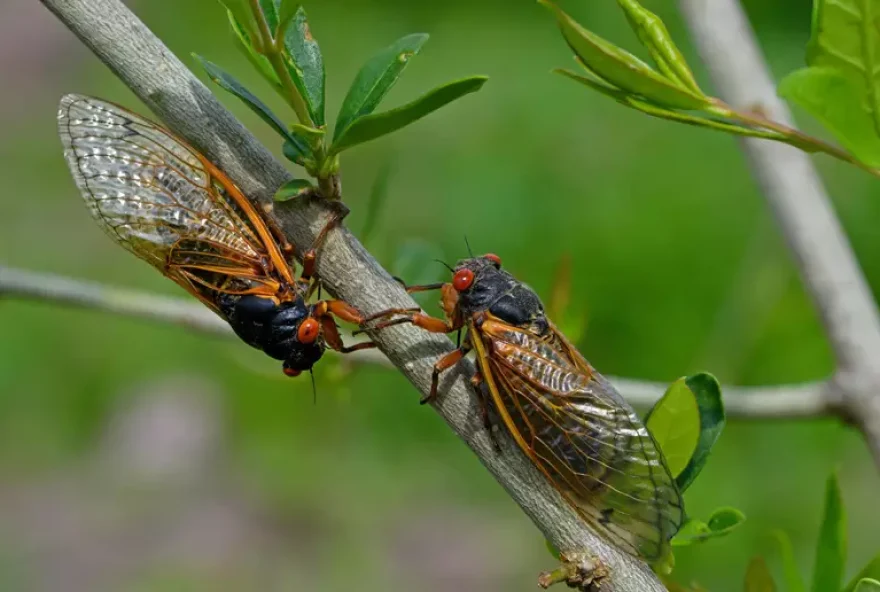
{"x":165,"y":202}
{"x":568,"y":420}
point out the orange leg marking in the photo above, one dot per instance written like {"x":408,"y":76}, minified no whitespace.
{"x":423,"y":321}
{"x":390,"y":312}
{"x":310,"y":257}
{"x":443,"y":364}
{"x":288,"y":249}
{"x":334,"y":340}
{"x":343,"y":310}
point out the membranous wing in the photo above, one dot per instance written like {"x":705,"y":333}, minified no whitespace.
{"x":164,"y":202}
{"x":583,"y":436}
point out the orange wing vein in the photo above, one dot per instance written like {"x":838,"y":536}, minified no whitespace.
{"x":164,"y":202}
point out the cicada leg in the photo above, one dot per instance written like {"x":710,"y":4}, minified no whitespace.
{"x":484,"y":397}
{"x":311,"y":255}
{"x":442,"y":365}
{"x":326,"y":310}
{"x":422,"y":288}
{"x":288,"y":249}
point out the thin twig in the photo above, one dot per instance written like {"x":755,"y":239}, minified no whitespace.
{"x":143,"y":63}
{"x":802,"y":209}
{"x":814,"y":399}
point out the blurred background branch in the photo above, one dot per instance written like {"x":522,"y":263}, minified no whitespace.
{"x":803,"y":211}
{"x":815,"y":399}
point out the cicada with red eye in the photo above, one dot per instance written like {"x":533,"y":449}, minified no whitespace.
{"x":570,"y":422}
{"x":166,"y":203}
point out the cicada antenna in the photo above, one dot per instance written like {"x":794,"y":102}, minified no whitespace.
{"x":470,"y":252}
{"x":314,"y":388}
{"x":444,"y":264}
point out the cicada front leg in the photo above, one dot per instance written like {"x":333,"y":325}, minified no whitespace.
{"x":326,"y":310}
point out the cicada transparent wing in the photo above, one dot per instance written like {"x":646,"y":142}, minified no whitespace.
{"x":164,"y":202}
{"x":581,"y":434}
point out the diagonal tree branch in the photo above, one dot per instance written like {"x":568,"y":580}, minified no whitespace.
{"x":766,"y":402}
{"x":143,"y":63}
{"x":802,"y":209}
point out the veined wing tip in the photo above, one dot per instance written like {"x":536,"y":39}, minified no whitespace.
{"x":69,"y":99}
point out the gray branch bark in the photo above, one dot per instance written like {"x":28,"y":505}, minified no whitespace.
{"x":813,"y":399}
{"x":187,"y":107}
{"x":802,"y":209}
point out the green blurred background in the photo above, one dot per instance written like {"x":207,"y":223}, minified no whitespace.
{"x":138,"y":456}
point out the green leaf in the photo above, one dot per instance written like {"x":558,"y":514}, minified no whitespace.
{"x":227,"y":82}
{"x":758,"y":578}
{"x":655,"y":37}
{"x":870,"y":571}
{"x":287,"y":10}
{"x":375,"y":79}
{"x":831,"y":550}
{"x":240,"y":13}
{"x":269,"y":8}
{"x":674,"y":421}
{"x":553,"y":550}
{"x":620,"y":68}
{"x":293,"y":189}
{"x":303,"y":59}
{"x":244,"y":41}
{"x":721,"y":523}
{"x":836,"y":101}
{"x":296,"y":151}
{"x":793,"y":580}
{"x":868,"y":585}
{"x":707,"y":392}
{"x":376,"y":199}
{"x":846,"y":38}
{"x":311,"y":135}
{"x":370,"y":127}
{"x":634,"y":102}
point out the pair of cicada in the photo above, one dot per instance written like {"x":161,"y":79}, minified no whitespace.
{"x":163,"y":201}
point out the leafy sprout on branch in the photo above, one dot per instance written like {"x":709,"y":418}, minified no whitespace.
{"x":276,"y":38}
{"x":840,"y":87}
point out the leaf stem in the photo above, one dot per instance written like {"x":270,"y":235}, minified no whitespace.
{"x":269,"y":48}
{"x":792,"y":136}
{"x":272,"y":48}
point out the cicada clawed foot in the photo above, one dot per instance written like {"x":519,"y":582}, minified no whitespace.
{"x":580,"y":571}
{"x":388,"y":318}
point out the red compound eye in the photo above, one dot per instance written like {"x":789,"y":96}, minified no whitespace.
{"x":462,"y":279}
{"x":493,"y":258}
{"x":291,"y":372}
{"x":308,"y":331}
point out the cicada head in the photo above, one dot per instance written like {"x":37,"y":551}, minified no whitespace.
{"x":483,"y":286}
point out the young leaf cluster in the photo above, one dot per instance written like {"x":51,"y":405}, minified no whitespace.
{"x":840,"y":87}
{"x":830,"y":558}
{"x":276,"y":38}
{"x":841,"y":84}
{"x":686,"y":422}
